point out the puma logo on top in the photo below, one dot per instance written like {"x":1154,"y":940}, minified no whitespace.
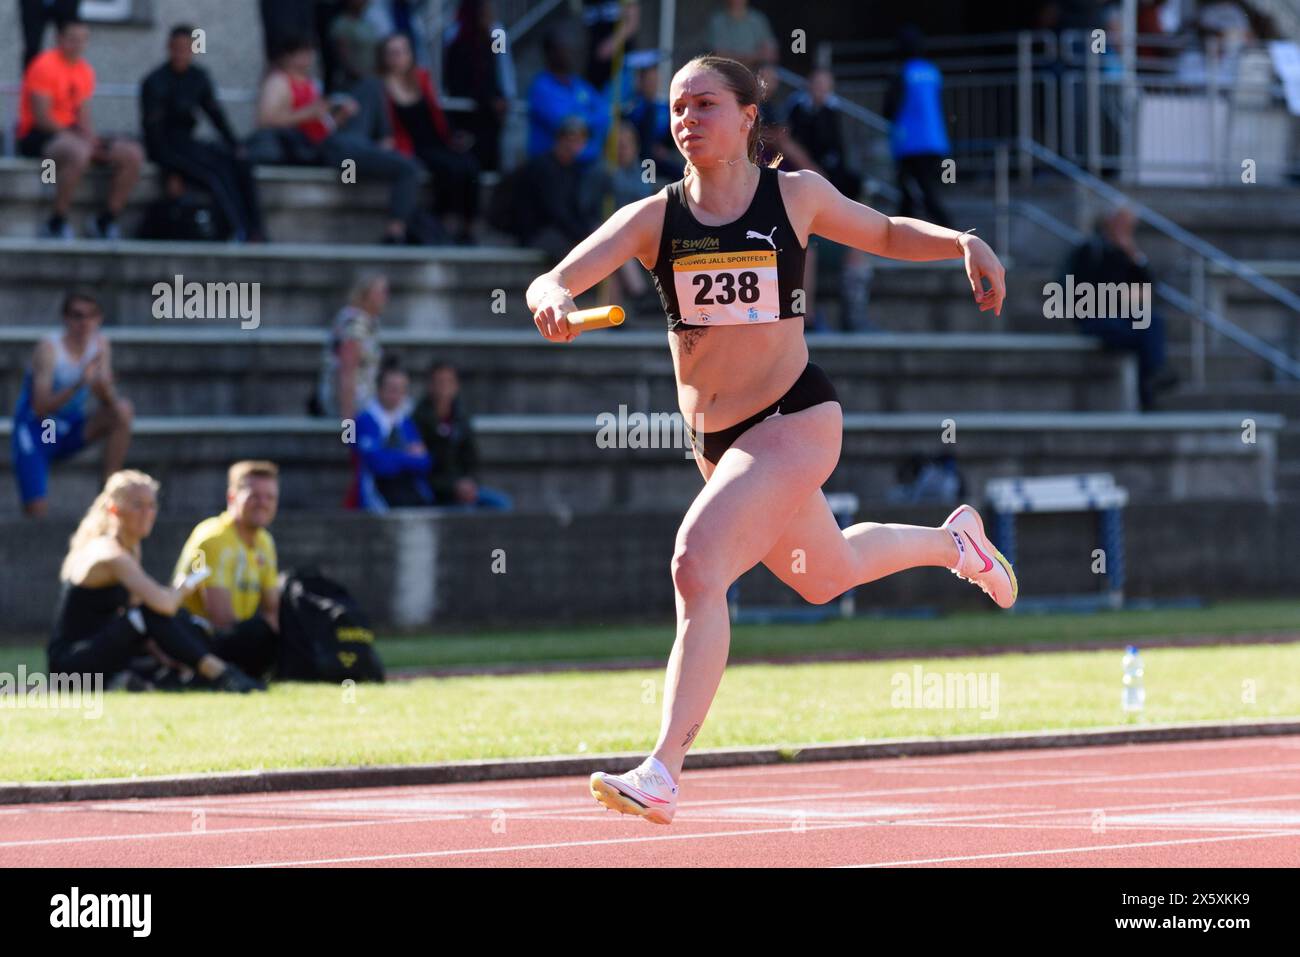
{"x":753,"y":234}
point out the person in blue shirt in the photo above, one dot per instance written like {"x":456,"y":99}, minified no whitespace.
{"x":558,"y":93}
{"x":392,"y":462}
{"x":643,"y":107}
{"x":53,"y":418}
{"x":919,"y":136}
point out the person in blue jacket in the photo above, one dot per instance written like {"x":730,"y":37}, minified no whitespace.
{"x":918,"y":137}
{"x":558,"y":93}
{"x":392,"y":462}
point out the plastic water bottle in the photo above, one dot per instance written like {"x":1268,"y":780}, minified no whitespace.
{"x":1135,"y":694}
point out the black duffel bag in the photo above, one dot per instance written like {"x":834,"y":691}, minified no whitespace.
{"x":324,"y":634}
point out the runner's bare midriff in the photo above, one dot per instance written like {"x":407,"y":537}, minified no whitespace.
{"x":728,"y":373}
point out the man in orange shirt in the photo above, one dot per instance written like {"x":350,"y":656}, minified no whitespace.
{"x":54,"y":123}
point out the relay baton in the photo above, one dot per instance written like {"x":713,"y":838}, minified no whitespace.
{"x":602,"y":317}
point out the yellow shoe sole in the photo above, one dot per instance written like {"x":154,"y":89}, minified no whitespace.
{"x":614,"y":799}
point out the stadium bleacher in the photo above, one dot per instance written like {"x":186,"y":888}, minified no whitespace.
{"x":1028,"y":395}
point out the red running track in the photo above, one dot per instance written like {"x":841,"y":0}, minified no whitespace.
{"x":1190,"y":804}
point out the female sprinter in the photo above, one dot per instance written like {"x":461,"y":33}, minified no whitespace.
{"x":110,"y":605}
{"x":726,"y":248}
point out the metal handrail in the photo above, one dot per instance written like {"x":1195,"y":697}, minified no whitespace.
{"x":1155,"y":220}
{"x":857,"y":112}
{"x":1277,"y":358}
{"x":1176,"y":297}
{"x":950,"y":52}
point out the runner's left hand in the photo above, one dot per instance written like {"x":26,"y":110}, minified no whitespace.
{"x":982,"y":262}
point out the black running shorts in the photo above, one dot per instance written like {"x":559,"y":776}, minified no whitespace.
{"x":811,"y":388}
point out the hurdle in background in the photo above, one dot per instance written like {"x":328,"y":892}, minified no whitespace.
{"x":1089,"y":492}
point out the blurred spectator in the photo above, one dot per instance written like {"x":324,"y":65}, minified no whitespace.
{"x":111,"y":611}
{"x":350,"y":363}
{"x":475,"y":70}
{"x":742,"y":34}
{"x":628,"y":181}
{"x":170,"y":100}
{"x":1111,"y":255}
{"x":54,"y":122}
{"x":286,"y":22}
{"x":774,"y":134}
{"x":628,"y":175}
{"x":608,"y":23}
{"x":445,"y":428}
{"x":918,"y":136}
{"x":557,"y":197}
{"x":405,"y":17}
{"x":36,"y":16}
{"x":299,"y":126}
{"x":815,"y":125}
{"x":651,"y":117}
{"x":52,"y":419}
{"x":241,"y":597}
{"x":420,"y":129}
{"x":392,"y":462}
{"x":353,"y":40}
{"x":815,"y":134}
{"x":556,"y":94}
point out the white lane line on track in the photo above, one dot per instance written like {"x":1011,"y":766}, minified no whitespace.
{"x":1078,"y":850}
{"x":217,"y":832}
{"x":557,"y":845}
{"x":774,"y":800}
{"x":996,"y":785}
{"x":1150,"y":791}
{"x":991,"y":825}
{"x":888,"y":765}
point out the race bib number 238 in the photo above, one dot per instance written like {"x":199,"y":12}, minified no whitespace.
{"x":727,"y":289}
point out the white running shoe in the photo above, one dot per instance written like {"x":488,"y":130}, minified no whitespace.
{"x":979,"y":561}
{"x":642,"y":791}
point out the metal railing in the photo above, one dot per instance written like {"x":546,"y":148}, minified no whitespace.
{"x":1194,"y":303}
{"x":952,"y":54}
{"x":1168,"y":123}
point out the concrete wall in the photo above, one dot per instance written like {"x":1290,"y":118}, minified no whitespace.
{"x":426,"y":570}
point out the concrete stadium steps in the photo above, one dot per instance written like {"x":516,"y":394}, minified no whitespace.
{"x":1245,"y":221}
{"x":422,"y":569}
{"x":301,"y":204}
{"x":180,"y":371}
{"x":556,"y":461}
{"x":432,"y":287}
{"x":1283,"y":399}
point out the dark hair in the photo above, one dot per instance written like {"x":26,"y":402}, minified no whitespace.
{"x":390,"y":366}
{"x":911,"y":42}
{"x":292,"y":44}
{"x":180,"y":30}
{"x":75,"y":297}
{"x":65,"y":22}
{"x":748,"y":89}
{"x":439,"y":366}
{"x":381,"y":53}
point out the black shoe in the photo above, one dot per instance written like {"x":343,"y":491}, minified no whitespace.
{"x":233,"y":679}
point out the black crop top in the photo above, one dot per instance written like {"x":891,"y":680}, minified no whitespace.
{"x":84,"y":611}
{"x":746,"y":271}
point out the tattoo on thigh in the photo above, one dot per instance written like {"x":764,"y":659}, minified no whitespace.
{"x":690,"y":736}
